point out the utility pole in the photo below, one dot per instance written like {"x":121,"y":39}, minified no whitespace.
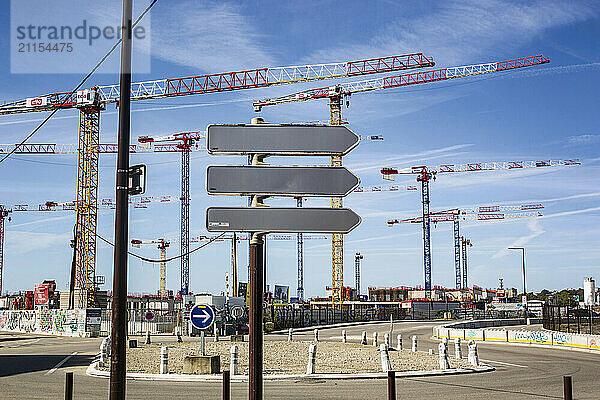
{"x":524,"y":284}
{"x":234,"y":276}
{"x":118,"y":363}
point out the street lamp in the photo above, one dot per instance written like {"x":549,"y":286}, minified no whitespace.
{"x":524,"y":285}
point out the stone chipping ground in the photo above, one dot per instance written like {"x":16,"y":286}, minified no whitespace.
{"x":288,"y":357}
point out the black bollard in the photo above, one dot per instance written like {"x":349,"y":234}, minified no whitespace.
{"x":226,"y":386}
{"x":69,"y":386}
{"x":391,"y":382}
{"x":567,"y":388}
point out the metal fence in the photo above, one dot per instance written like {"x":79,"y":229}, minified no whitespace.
{"x":294,"y":316}
{"x":162,"y":321}
{"x":572,"y":320}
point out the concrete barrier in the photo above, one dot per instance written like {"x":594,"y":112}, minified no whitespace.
{"x":496,"y":335}
{"x":593,"y":342}
{"x":579,"y":341}
{"x":442,"y":332}
{"x":456,"y":334}
{"x":519,"y":336}
{"x":561,"y":339}
{"x":474,"y":334}
{"x":475,"y":331}
{"x":541,"y":337}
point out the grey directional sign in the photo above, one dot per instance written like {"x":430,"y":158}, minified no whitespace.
{"x":280,"y":139}
{"x":280,"y":181}
{"x":281,"y":220}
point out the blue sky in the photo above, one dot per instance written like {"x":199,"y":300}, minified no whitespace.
{"x":549,"y":112}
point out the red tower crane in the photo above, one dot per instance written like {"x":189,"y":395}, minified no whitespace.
{"x":90,"y":103}
{"x":482,"y":213}
{"x":336,"y":94}
{"x":5,"y":210}
{"x":426,"y":174}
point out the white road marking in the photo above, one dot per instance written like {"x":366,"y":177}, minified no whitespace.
{"x":505,"y":363}
{"x":57,"y":366}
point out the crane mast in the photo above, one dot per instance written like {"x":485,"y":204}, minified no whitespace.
{"x":186,"y":140}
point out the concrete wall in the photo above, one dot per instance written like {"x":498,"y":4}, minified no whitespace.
{"x":52,"y":322}
{"x":471,"y":331}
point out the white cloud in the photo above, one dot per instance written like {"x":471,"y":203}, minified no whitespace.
{"x":536,"y":230}
{"x":584,"y":139}
{"x":20,"y":242}
{"x":211,"y":36}
{"x":458,"y":32}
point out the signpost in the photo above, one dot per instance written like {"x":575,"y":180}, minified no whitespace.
{"x":259,"y":180}
{"x":281,"y":219}
{"x":248,"y":180}
{"x":284,"y":140}
{"x":202,"y":316}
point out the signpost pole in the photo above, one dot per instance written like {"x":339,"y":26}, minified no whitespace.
{"x":202,"y":343}
{"x":118,"y":367}
{"x":256,"y":317}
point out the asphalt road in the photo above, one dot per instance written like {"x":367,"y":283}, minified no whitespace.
{"x":33,"y":367}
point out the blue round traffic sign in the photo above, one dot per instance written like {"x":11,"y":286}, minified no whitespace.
{"x":149,"y":315}
{"x":202,"y":316}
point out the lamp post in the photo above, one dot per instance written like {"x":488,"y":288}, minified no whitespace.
{"x":524,"y":285}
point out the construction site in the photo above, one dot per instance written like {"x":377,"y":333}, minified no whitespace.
{"x":85,"y":289}
{"x":238,"y":183}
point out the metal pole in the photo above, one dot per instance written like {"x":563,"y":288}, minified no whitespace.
{"x":202,"y":341}
{"x":119,"y":301}
{"x":391,"y":381}
{"x":69,"y":386}
{"x":73,"y":270}
{"x":226,"y":386}
{"x":234,"y":277}
{"x":256,"y":317}
{"x":567,"y":388}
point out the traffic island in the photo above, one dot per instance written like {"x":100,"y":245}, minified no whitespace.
{"x":288,"y":358}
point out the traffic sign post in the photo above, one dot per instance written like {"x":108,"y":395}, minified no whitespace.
{"x":284,"y":140}
{"x":281,"y":219}
{"x":149,"y":316}
{"x":202,"y":316}
{"x":247,"y":180}
{"x":259,"y":180}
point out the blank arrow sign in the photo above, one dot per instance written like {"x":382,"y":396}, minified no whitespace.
{"x":281,"y":220}
{"x":291,"y":140}
{"x":280,"y":181}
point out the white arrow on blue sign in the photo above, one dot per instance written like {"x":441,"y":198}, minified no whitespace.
{"x":202,"y":316}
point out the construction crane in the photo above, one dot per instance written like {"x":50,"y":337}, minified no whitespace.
{"x":185,"y":142}
{"x":90,"y":103}
{"x":480,"y":213}
{"x":163,"y":244}
{"x":426,"y":174}
{"x":103,"y":148}
{"x":5,"y":210}
{"x":300,"y":236}
{"x":336,"y":94}
{"x":464,"y":242}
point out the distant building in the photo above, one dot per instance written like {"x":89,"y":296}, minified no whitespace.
{"x":589,"y":292}
{"x":388,"y":294}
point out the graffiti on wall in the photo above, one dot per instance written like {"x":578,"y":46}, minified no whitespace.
{"x":54,"y":322}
